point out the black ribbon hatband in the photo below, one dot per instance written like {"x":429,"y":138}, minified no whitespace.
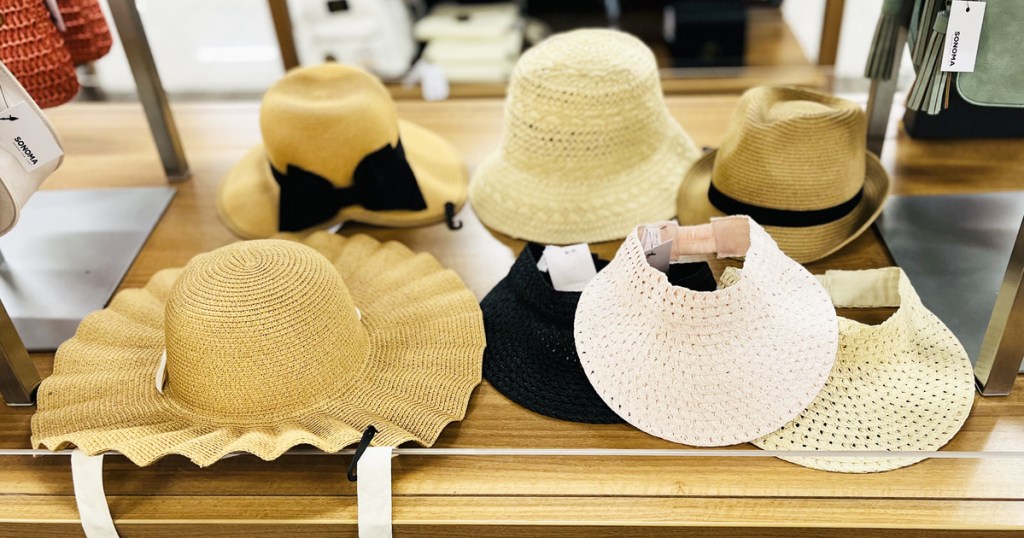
{"x":382,"y":181}
{"x":767,"y":216}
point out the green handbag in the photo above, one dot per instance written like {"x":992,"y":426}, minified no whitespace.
{"x":998,"y":77}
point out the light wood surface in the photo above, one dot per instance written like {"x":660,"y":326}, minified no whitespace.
{"x":109,"y":146}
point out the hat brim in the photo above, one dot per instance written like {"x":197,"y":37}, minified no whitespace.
{"x":426,"y":339}
{"x":544,"y":210}
{"x":803,"y":244}
{"x":519,"y":364}
{"x":248,"y":197}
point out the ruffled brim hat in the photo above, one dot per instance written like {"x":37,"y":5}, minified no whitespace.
{"x":420,"y":359}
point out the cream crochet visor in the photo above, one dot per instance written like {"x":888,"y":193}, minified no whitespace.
{"x":707,"y":368}
{"x":590,"y":148}
{"x":903,"y":385}
{"x":269,"y":344}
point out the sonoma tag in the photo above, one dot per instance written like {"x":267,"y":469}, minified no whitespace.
{"x":962,"y":36}
{"x":24,"y":134}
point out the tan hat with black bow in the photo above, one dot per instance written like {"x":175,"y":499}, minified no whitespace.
{"x":334,"y":150}
{"x":795,"y":161}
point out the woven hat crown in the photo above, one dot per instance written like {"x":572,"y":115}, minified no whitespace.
{"x":792,"y":149}
{"x":260,"y":329}
{"x":326,"y":119}
{"x":584,"y":105}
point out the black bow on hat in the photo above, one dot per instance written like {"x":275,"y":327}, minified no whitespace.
{"x":383,"y":180}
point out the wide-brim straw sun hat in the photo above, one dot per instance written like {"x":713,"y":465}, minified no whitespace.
{"x":334,"y":151}
{"x":20,"y":178}
{"x":905,"y":385}
{"x":269,"y":344}
{"x":795,"y":161}
{"x":707,"y":368}
{"x":589,"y":149}
{"x":531,"y":352}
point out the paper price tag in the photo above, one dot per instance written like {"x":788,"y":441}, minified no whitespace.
{"x":570,"y":268}
{"x":24,"y":134}
{"x":659,"y":254}
{"x":962,"y":36}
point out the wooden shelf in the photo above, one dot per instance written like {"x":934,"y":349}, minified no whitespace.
{"x":108,"y":145}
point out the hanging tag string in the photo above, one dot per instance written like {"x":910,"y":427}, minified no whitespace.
{"x":368,"y":434}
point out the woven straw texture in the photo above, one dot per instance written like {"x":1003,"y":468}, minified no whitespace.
{"x":707,"y":368}
{"x":904,"y":385}
{"x":531,"y":354}
{"x":326,"y":119}
{"x":792,"y":149}
{"x":265,"y":351}
{"x":589,"y":149}
{"x":88,"y":36}
{"x":33,"y":49}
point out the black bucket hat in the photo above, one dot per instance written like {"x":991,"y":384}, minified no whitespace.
{"x":531,"y":352}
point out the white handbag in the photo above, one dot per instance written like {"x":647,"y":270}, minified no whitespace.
{"x":373,"y":34}
{"x":468,"y":21}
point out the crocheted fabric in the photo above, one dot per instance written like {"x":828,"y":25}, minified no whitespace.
{"x":707,"y":368}
{"x":904,"y":385}
{"x":531,"y":355}
{"x":589,"y":150}
{"x":269,"y":344}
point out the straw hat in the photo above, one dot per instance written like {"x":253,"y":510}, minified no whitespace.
{"x":795,"y":161}
{"x":531,"y":355}
{"x":334,"y":150}
{"x":904,"y":385}
{"x":707,"y":368}
{"x":269,"y":344}
{"x":17,"y":184}
{"x":590,"y":149}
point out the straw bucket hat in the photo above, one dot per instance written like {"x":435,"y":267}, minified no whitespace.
{"x":904,"y":385}
{"x":707,"y":368}
{"x":589,"y":150}
{"x":795,"y":161}
{"x":17,"y":184}
{"x":269,"y":344}
{"x":334,"y":150}
{"x":531,"y":354}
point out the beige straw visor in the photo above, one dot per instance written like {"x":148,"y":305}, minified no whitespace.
{"x":795,"y":161}
{"x":269,"y":344}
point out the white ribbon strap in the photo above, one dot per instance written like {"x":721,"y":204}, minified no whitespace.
{"x":87,"y":476}
{"x":373,"y":490}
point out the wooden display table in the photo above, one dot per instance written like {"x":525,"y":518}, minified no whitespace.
{"x":108,"y":145}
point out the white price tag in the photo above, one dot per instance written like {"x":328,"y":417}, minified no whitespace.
{"x":962,"y":36}
{"x":24,"y":134}
{"x":659,"y":254}
{"x":570,"y":268}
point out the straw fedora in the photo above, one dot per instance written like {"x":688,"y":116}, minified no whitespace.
{"x":531,"y":355}
{"x":589,"y":150}
{"x":269,"y":344}
{"x":19,"y":179}
{"x":904,"y":385}
{"x":795,"y":161}
{"x":707,"y":368}
{"x":334,"y":150}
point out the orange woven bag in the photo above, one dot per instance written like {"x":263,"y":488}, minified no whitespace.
{"x":33,"y":49}
{"x":87,"y":36}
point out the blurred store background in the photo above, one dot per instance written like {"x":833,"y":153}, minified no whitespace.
{"x":229,"y":49}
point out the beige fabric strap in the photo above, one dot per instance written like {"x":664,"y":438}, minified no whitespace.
{"x":87,"y":479}
{"x":871,"y":288}
{"x":729,"y":237}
